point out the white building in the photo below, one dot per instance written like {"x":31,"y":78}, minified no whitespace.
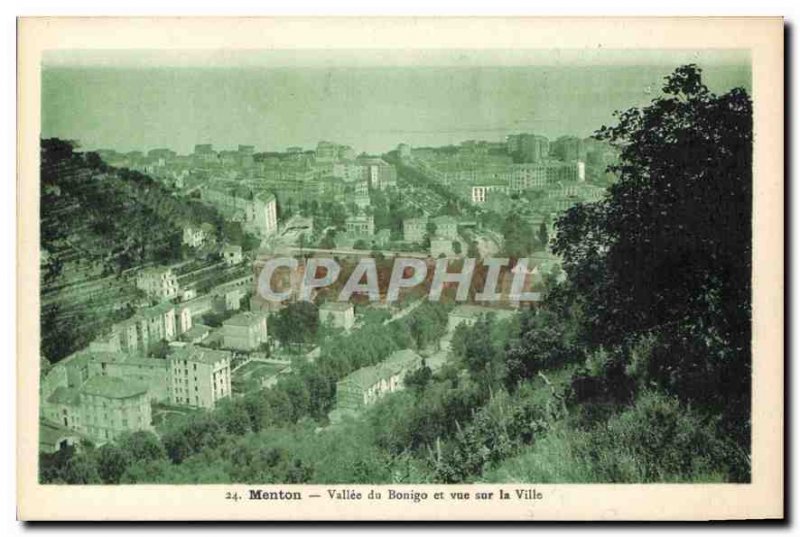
{"x":232,"y":254}
{"x":158,"y":282}
{"x":337,"y":314}
{"x":193,"y":236}
{"x":199,"y":377}
{"x":266,"y":214}
{"x":244,"y":331}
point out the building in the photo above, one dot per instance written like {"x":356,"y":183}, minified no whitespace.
{"x":337,"y":315}
{"x":204,"y":154}
{"x":151,"y":325}
{"x":245,"y":331}
{"x":196,"y":334}
{"x":368,"y":384}
{"x":361,"y":194}
{"x":183,"y":318}
{"x":245,"y":154}
{"x":158,"y":282}
{"x":266,"y":214}
{"x":479,"y":194}
{"x":199,"y":377}
{"x":148,"y":372}
{"x":326,"y":152}
{"x":53,"y":437}
{"x":528,"y":147}
{"x":232,"y":254}
{"x":414,"y":229}
{"x":380,"y":174}
{"x":193,"y":236}
{"x":255,"y":209}
{"x":469,"y":314}
{"x":360,"y":225}
{"x":228,"y":299}
{"x":111,"y":406}
{"x":446,"y":227}
{"x":568,"y":149}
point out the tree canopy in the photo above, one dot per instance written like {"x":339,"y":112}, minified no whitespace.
{"x":666,"y":256}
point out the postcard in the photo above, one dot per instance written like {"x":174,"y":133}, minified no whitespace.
{"x":445,"y":269}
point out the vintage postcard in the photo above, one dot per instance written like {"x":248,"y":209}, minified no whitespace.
{"x":400,"y":269}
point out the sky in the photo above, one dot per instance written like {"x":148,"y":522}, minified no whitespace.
{"x":371,"y":100}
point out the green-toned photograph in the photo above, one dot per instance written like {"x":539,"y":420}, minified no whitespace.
{"x":395,"y":267}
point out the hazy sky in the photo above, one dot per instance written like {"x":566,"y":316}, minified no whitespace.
{"x":371,"y":100}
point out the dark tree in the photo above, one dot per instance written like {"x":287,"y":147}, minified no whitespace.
{"x":296,"y":324}
{"x":663,"y":264}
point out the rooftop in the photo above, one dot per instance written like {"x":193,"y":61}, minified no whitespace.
{"x":64,"y":396}
{"x":112,"y":387}
{"x":335,"y":306}
{"x":469,"y":311}
{"x":154,"y":271}
{"x":196,"y":331}
{"x":265,"y":196}
{"x":123,"y":358}
{"x":202,"y":355}
{"x":367,"y":377}
{"x":245,"y":318}
{"x":51,"y":433}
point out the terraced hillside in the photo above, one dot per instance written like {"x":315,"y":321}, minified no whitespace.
{"x":98,"y":225}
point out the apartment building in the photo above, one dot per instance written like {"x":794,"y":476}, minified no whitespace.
{"x":199,"y":377}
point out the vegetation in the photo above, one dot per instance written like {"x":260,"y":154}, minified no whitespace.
{"x":635,"y":369}
{"x":101,"y":222}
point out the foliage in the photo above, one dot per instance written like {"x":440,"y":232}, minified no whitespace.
{"x":296,"y":324}
{"x":518,"y":237}
{"x":667,"y":254}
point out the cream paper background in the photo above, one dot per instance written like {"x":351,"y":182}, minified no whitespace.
{"x":763,"y":37}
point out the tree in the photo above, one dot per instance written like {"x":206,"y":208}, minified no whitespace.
{"x":472,"y":250}
{"x":517,"y":236}
{"x":111,"y":463}
{"x":328,"y":241}
{"x":296,"y":324}
{"x":142,"y":446}
{"x":667,"y":254}
{"x":544,"y":237}
{"x":81,"y":469}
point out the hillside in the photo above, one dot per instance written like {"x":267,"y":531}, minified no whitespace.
{"x":98,"y":224}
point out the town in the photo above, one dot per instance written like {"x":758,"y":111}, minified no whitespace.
{"x":164,"y":339}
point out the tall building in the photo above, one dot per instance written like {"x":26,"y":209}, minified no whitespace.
{"x":380,"y":174}
{"x":568,"y":149}
{"x":528,"y":147}
{"x":326,"y":152}
{"x":199,"y":377}
{"x":266,"y":213}
{"x":147,"y":327}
